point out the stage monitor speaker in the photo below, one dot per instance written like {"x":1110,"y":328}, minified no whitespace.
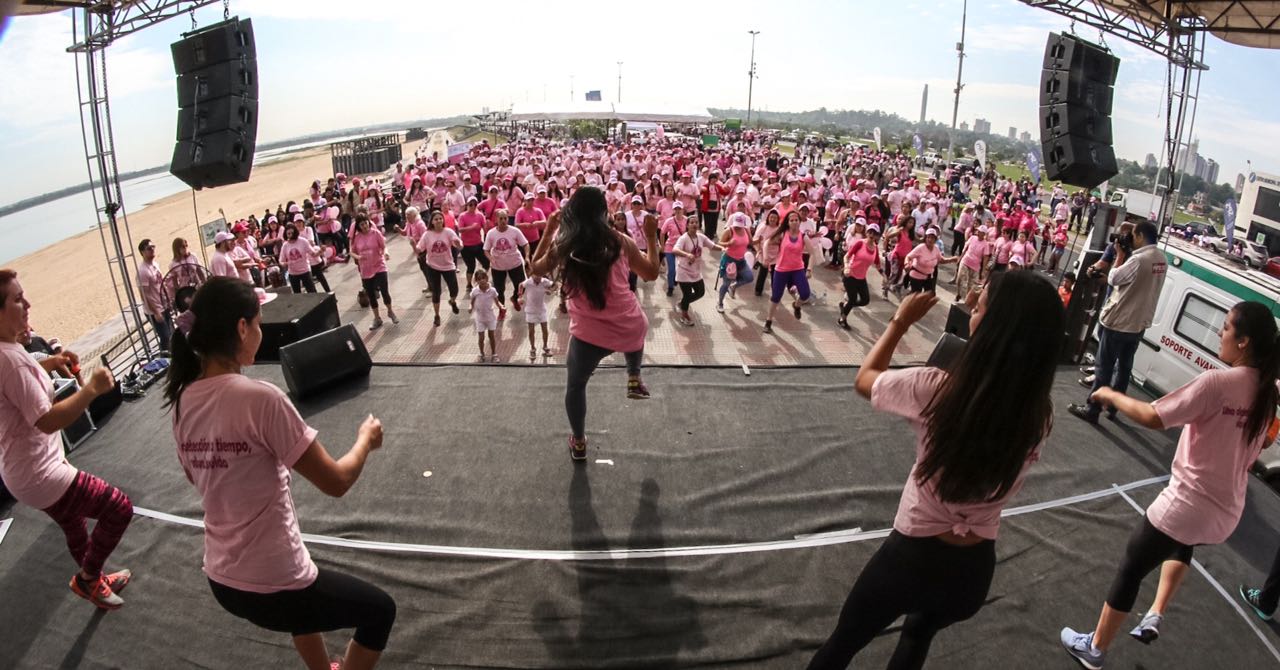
{"x":1078,"y":161}
{"x":234,"y":113}
{"x":1063,"y":119}
{"x":1068,"y":52}
{"x":216,"y":159}
{"x":291,"y":317}
{"x":322,"y":361}
{"x":228,"y":40}
{"x":958,"y":320}
{"x":217,"y":81}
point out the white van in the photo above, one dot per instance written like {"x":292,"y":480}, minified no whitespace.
{"x":1199,"y":289}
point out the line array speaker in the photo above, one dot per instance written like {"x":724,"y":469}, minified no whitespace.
{"x":1076,"y":94}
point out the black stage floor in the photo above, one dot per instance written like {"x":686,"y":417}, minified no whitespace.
{"x":709,"y":529}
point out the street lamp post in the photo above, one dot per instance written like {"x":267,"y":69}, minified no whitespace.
{"x":751,"y":74}
{"x":955,"y":111}
{"x":619,"y":81}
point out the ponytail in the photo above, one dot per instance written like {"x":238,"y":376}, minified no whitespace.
{"x":208,"y":330}
{"x":1254,"y":321}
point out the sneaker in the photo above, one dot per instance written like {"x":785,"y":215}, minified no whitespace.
{"x":842,"y":323}
{"x":684,"y":321}
{"x":453,"y":304}
{"x":99,"y":593}
{"x":546,"y":351}
{"x":1086,"y":370}
{"x":578,"y":448}
{"x":437,"y":320}
{"x":636,"y":390}
{"x":841,"y":305}
{"x":795,"y":308}
{"x":670,"y":291}
{"x":1082,"y":412}
{"x":1080,"y":646}
{"x":377,"y":323}
{"x":1253,"y":598}
{"x":1148,"y":630}
{"x":533,"y":353}
{"x":733,"y":291}
{"x":720,"y":308}
{"x":1086,"y":382}
{"x":759,"y":294}
{"x":391,"y":315}
{"x":768,"y":327}
{"x":118,"y":580}
{"x":493,"y":358}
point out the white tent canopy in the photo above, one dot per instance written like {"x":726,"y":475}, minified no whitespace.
{"x":608,"y":111}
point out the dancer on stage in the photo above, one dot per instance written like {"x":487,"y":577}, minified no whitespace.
{"x":593,"y":261}
{"x":975,"y":442}
{"x":1225,"y":415}
{"x":237,"y":440}
{"x":31,"y":459}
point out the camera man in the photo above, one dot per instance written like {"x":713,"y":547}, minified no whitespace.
{"x":1135,"y":279}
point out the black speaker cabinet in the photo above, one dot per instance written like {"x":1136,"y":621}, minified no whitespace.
{"x":216,"y":159}
{"x":292,"y":317}
{"x":1079,"y":161}
{"x":1068,"y":52}
{"x":322,"y":361}
{"x":228,"y":40}
{"x":1070,"y":88}
{"x":217,"y":81}
{"x":234,"y":113}
{"x":1063,"y":119}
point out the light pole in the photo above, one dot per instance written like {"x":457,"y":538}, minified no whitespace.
{"x":751,"y":74}
{"x":619,"y":81}
{"x":570,"y":88}
{"x":955,"y":111}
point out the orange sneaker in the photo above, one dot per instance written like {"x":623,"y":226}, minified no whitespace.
{"x":102,"y":592}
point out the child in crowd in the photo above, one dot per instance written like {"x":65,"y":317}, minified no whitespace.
{"x":533,"y":292}
{"x":1066,"y":287}
{"x":484,"y":300}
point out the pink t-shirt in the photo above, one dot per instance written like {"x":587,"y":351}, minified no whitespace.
{"x":372,"y":247}
{"x":790,"y":252}
{"x":530,"y":221}
{"x":1204,"y":499}
{"x":621,"y":325}
{"x":690,"y":269}
{"x":503,"y":247}
{"x":925,"y":258}
{"x":414,"y":230}
{"x":671,"y":231}
{"x":438,"y":246}
{"x":221,"y":265}
{"x":471,"y":228}
{"x":859,"y":259}
{"x":921,"y":513}
{"x":239,"y":253}
{"x":974,"y":251}
{"x":237,"y":439}
{"x":31,"y":462}
{"x":296,"y":255}
{"x":769,"y":247}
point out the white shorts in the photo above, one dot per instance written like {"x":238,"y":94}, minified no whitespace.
{"x":486,"y":325}
{"x":535,"y":317}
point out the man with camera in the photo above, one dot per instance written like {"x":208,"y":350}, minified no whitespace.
{"x":1135,"y":280}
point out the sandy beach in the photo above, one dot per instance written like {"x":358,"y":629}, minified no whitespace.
{"x":68,"y":282}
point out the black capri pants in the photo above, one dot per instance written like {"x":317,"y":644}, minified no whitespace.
{"x":334,"y":601}
{"x":856,"y":294}
{"x":1148,"y":548}
{"x":500,"y":282}
{"x":375,"y":285}
{"x":472,"y":254}
{"x":433,"y":281}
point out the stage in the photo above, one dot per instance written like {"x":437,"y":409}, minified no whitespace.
{"x":718,"y":524}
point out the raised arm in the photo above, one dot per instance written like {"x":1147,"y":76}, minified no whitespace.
{"x":335,"y":478}
{"x":911,"y":310}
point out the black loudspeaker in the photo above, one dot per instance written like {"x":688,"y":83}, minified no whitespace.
{"x":216,"y":81}
{"x":234,"y":113}
{"x":1076,"y":96}
{"x":217,"y":125}
{"x":220,"y":158}
{"x":322,"y":361}
{"x":229,"y":40}
{"x":958,"y":320}
{"x":1079,"y":161}
{"x":292,"y":317}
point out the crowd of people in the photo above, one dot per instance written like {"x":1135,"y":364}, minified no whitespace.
{"x":621,"y":215}
{"x":774,"y":219}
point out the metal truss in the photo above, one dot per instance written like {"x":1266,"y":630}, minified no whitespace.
{"x":109,"y":20}
{"x":1156,"y":26}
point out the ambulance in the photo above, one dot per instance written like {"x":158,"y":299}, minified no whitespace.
{"x":1199,"y":289}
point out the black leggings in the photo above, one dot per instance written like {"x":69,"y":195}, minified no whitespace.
{"x":926,"y":285}
{"x":375,"y":285}
{"x":581,"y":362}
{"x":433,"y":281}
{"x":472,"y":254}
{"x":856,"y":294}
{"x":334,"y":601}
{"x":1148,"y":548}
{"x":934,"y":583}
{"x":691,"y":292}
{"x":297,"y":282}
{"x":317,"y":273}
{"x":500,"y":282}
{"x":762,"y":273}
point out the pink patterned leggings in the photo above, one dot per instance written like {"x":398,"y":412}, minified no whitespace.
{"x":89,"y":497}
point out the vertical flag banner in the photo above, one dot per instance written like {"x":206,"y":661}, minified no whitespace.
{"x":1229,"y":220}
{"x":1033,"y":164}
{"x":917,"y":144}
{"x":980,"y":150}
{"x":875,"y":132}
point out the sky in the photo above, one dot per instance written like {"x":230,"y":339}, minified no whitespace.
{"x":323,"y":66}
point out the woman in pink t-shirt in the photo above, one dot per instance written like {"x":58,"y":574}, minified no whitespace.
{"x":471,"y":232}
{"x":605,"y":316}
{"x":766,"y":248}
{"x":922,"y":263}
{"x":937,"y":564}
{"x":369,"y":249}
{"x":237,"y":439}
{"x":689,"y":257}
{"x":296,"y":256}
{"x":437,"y":245}
{"x":863,"y":253}
{"x":1225,"y":415}
{"x":672,"y":228}
{"x":734,"y":272}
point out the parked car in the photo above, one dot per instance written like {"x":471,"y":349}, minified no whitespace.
{"x":1255,"y":255}
{"x":1212,"y":240}
{"x":1190,"y":229}
{"x":1272,"y":267}
{"x":929,"y":158}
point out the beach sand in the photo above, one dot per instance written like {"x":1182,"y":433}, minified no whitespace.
{"x":69,"y":284}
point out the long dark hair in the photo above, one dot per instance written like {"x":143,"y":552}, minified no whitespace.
{"x":994,"y":408}
{"x":586,"y":246}
{"x":784,"y":226}
{"x":1254,"y":321}
{"x":218,"y":307}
